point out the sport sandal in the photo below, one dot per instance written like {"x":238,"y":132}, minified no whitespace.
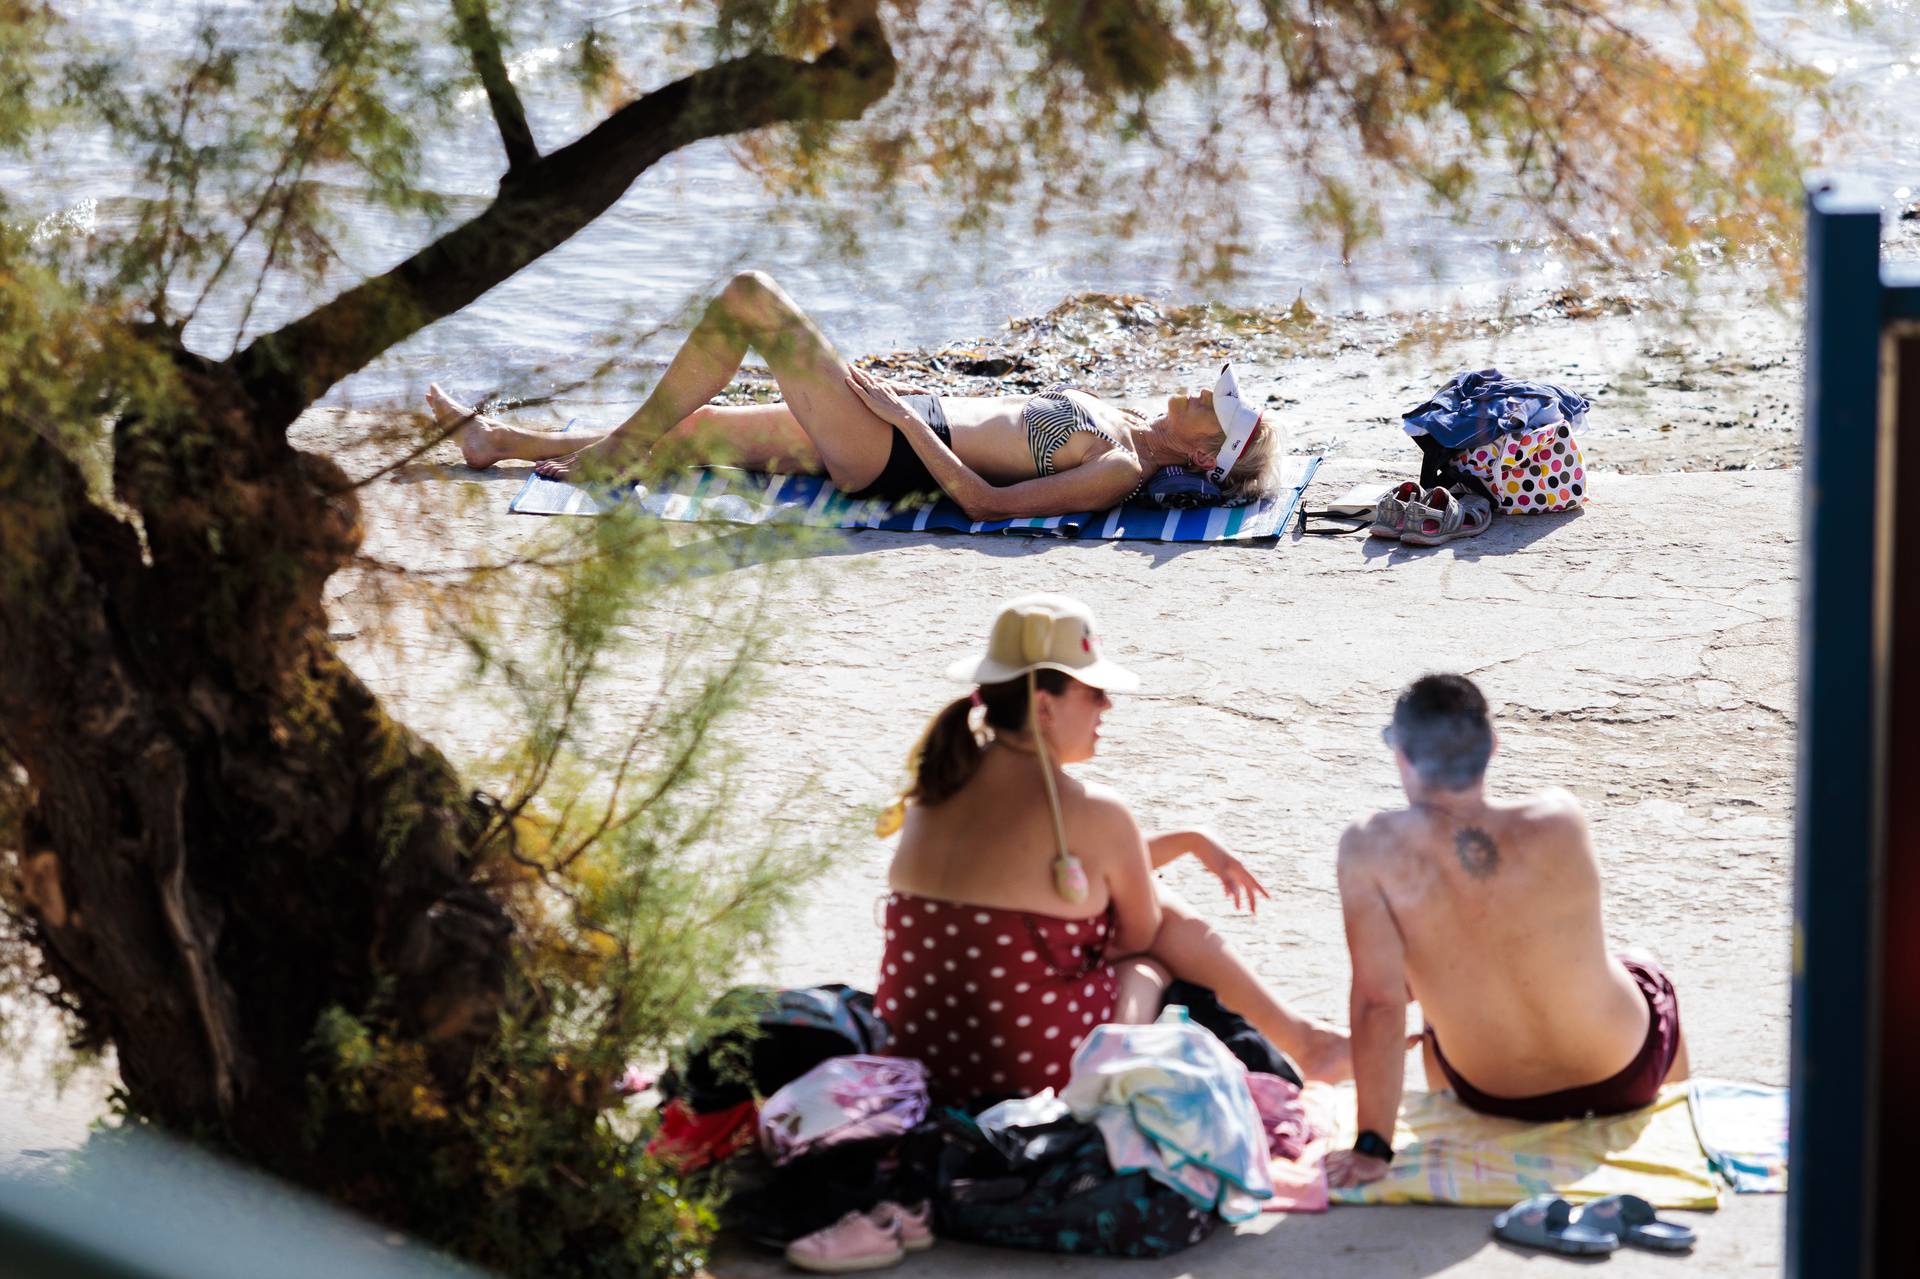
{"x":1390,"y":512}
{"x":1634,"y":1220}
{"x":1545,"y":1222}
{"x":858,"y":1241}
{"x":1440,"y":517}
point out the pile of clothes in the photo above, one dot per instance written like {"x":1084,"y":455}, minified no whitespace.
{"x":831,"y":1151}
{"x":1507,"y":440}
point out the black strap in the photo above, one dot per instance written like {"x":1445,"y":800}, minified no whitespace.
{"x":1374,"y":1146}
{"x":1344,"y":523}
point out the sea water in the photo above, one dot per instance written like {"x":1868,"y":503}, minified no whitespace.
{"x":698,"y":215}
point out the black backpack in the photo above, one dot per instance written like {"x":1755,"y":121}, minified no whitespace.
{"x":1050,"y":1188}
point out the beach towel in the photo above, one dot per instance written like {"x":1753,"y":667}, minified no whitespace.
{"x":1172,"y":1102}
{"x":1743,"y":1128}
{"x":1448,"y":1154}
{"x":727,"y":495}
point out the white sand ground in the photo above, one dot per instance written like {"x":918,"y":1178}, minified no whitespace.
{"x":1640,"y":653}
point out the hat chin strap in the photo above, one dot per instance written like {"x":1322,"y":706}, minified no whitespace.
{"x":1069,"y":876}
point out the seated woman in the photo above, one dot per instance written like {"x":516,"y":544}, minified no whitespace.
{"x":1002,"y":949}
{"x":998,"y":456}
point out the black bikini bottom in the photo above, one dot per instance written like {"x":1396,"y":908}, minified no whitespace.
{"x":905,"y":475}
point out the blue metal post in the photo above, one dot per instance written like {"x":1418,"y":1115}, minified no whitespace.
{"x":1835,"y":968}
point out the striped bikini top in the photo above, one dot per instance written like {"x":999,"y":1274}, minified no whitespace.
{"x":1051,"y":417}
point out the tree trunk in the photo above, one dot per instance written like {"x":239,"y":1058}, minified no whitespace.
{"x":226,"y":834}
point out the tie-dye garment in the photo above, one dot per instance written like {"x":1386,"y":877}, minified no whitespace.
{"x":1743,"y":1128}
{"x":843,"y":1099}
{"x":1171,"y":1101}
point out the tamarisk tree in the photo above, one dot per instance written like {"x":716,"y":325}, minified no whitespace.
{"x":304,"y":936}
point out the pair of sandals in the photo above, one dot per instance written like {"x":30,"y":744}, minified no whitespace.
{"x":1432,"y":517}
{"x":1551,"y":1223}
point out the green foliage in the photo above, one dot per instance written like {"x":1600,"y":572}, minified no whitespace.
{"x":1637,"y":135}
{"x":23,"y":30}
{"x":243,"y":145}
{"x":638,"y":865}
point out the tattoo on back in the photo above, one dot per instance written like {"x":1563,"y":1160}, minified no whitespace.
{"x":1479,"y":855}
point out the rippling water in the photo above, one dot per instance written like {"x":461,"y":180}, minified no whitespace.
{"x":697,"y":215}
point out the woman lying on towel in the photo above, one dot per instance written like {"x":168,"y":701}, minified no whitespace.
{"x":998,"y":456}
{"x":1024,"y":910}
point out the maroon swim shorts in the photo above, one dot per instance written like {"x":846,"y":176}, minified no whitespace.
{"x":1635,"y":1086}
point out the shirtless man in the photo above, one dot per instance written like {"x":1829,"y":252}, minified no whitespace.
{"x":1488,"y":913}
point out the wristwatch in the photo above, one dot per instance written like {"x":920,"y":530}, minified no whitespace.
{"x":1374,"y":1146}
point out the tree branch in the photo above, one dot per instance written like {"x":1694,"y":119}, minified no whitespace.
{"x":542,"y":205}
{"x":483,"y":46}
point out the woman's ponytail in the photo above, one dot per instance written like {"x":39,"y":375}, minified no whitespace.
{"x":946,"y":756}
{"x":949,"y":752}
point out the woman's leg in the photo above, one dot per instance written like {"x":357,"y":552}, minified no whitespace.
{"x":1192,"y":950}
{"x":1142,"y":988}
{"x":483,"y":441}
{"x":763,"y":437}
{"x":752,"y":312}
{"x":760,"y":437}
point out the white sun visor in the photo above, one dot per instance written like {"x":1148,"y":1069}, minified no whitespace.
{"x":1237,"y":418}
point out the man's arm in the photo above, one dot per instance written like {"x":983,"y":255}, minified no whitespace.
{"x":1377,"y":1008}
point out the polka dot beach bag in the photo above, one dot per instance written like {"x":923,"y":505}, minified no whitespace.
{"x":1530,"y":471}
{"x":1513,"y":439}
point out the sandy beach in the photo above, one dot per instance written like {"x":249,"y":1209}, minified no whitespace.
{"x":1639,"y":653}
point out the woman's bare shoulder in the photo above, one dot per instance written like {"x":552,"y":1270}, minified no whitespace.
{"x":1103,"y":811}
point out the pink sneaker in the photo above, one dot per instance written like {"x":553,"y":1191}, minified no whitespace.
{"x":913,"y":1224}
{"x":855,"y":1242}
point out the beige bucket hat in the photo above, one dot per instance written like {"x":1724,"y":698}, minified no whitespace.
{"x":1044,"y":633}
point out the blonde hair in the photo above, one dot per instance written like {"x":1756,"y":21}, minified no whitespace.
{"x":1256,"y":472}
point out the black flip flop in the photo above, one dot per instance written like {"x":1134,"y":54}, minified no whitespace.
{"x":1545,"y":1222}
{"x":1633,"y":1219}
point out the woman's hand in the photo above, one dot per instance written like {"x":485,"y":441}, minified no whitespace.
{"x":1230,"y":871}
{"x":882,"y":398}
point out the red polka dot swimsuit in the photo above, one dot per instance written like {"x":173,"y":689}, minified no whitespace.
{"x":993,"y":1001}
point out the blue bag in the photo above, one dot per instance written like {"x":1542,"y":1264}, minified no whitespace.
{"x":1476,"y":408}
{"x":1175,"y":488}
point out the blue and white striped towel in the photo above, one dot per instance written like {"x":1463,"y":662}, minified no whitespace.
{"x":726,"y":495}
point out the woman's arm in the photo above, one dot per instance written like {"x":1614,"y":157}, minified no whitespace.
{"x":1123,"y":860}
{"x":1211,"y":853}
{"x":1092,"y":486}
{"x":1171,"y":844}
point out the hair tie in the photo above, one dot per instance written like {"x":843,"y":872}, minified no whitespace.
{"x":975,"y":698}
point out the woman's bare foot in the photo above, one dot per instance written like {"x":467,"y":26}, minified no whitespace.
{"x":1327,"y":1054}
{"x":564,"y":467}
{"x":475,"y":435}
{"x":603,"y":459}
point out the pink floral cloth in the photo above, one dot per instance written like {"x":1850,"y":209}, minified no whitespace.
{"x":1282,"y":1114}
{"x":843,"y":1099}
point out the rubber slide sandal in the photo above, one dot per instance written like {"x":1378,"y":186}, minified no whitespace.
{"x":1633,"y":1219}
{"x":1545,"y":1222}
